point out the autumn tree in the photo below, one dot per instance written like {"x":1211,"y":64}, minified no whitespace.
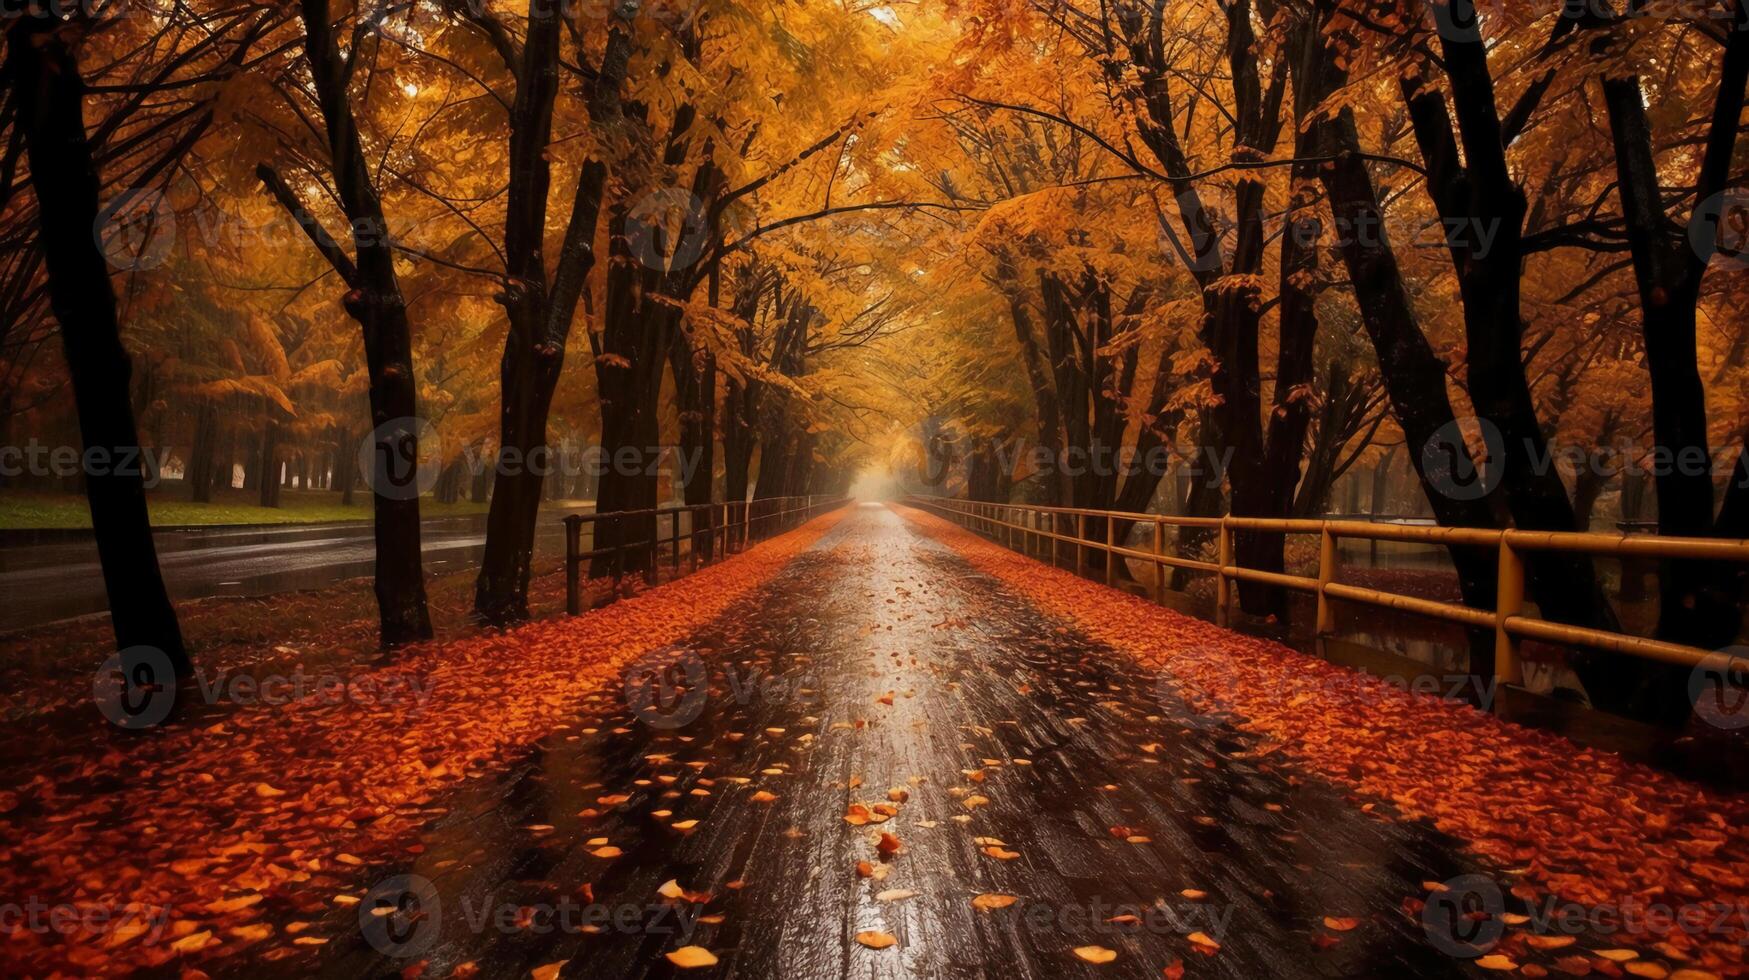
{"x":374,"y":300}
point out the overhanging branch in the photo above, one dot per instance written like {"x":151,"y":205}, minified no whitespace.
{"x":312,"y":227}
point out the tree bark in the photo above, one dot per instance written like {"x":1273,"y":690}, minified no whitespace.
{"x":1414,"y":376}
{"x":1698,"y":600}
{"x":695,"y":395}
{"x":540,"y":313}
{"x":270,"y":475}
{"x":1484,"y":211}
{"x":203,"y":454}
{"x":1045,"y":402}
{"x":50,"y":93}
{"x":375,"y":302}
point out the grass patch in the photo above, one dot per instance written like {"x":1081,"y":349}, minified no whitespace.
{"x":169,"y":506}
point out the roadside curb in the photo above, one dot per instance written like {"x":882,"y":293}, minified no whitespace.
{"x":26,"y":536}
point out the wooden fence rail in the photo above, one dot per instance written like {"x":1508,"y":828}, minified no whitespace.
{"x":1027,"y":528}
{"x":716,"y":530}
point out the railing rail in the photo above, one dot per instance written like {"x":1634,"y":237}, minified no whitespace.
{"x":716,"y":531}
{"x":1029,"y":527}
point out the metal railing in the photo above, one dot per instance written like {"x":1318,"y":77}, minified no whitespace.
{"x":714,"y":531}
{"x":1029,"y":527}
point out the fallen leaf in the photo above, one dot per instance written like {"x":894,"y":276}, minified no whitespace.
{"x":194,"y":942}
{"x":876,"y":940}
{"x":1549,"y":942}
{"x":692,"y":957}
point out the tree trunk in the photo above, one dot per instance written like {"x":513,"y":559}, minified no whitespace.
{"x":540,"y":314}
{"x":49,"y":94}
{"x":481,"y":483}
{"x":348,"y":471}
{"x":1045,"y":402}
{"x":270,"y":469}
{"x":629,"y":370}
{"x":374,"y":301}
{"x":1698,"y":601}
{"x":1414,"y":375}
{"x":740,"y":403}
{"x":201,"y":473}
{"x":1266,"y":488}
{"x":1478,"y":197}
{"x":695,"y":384}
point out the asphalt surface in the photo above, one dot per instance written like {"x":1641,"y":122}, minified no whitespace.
{"x":46,"y":582}
{"x":1022,"y":760}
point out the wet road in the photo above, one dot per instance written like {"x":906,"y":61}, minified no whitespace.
{"x":1018,"y":760}
{"x":45,"y":582}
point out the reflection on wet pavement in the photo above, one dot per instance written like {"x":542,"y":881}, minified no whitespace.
{"x":1014,"y":758}
{"x":49,"y":581}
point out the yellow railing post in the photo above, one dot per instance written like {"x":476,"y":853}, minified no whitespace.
{"x":1110,"y":549}
{"x":1508,"y":602}
{"x":1326,"y":575}
{"x":1081,"y":544}
{"x":1159,"y":567}
{"x":1511,"y":625}
{"x":1223,"y":585}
